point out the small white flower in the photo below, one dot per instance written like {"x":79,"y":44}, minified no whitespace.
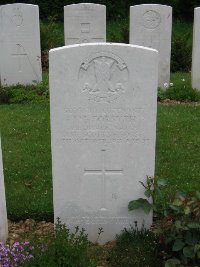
{"x":171,"y":84}
{"x":166,"y":85}
{"x":183,"y":80}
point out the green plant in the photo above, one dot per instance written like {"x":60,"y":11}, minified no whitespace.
{"x":38,"y":92}
{"x":178,"y":226}
{"x":182,"y":93}
{"x":179,"y":89}
{"x":179,"y":231}
{"x":136,"y":248}
{"x":118,"y":31}
{"x":154,"y":196}
{"x":181,"y":51}
{"x":65,"y":249}
{"x":52,"y":34}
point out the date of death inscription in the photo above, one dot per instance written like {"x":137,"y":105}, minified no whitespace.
{"x":104,"y":126}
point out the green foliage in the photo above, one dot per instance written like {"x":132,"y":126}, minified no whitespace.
{"x":178,"y":227}
{"x":52,"y":34}
{"x":118,"y":31}
{"x":38,"y":92}
{"x":180,"y":89}
{"x":65,"y":249}
{"x":136,"y":248}
{"x":179,"y":231}
{"x":153,"y":192}
{"x":181,"y":53}
{"x":179,"y":93}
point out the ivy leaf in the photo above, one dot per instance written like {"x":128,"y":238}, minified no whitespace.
{"x":189,"y":238}
{"x":172,"y":263}
{"x":189,"y":252}
{"x":194,"y":225}
{"x":187,"y":210}
{"x":197,"y":249}
{"x":178,"y":224}
{"x":140,"y":203}
{"x":178,"y":245}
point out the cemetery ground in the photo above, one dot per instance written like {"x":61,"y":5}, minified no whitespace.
{"x":27,"y":162}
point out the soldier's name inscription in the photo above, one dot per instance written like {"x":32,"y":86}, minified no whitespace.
{"x":110,"y":125}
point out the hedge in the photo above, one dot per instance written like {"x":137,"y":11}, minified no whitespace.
{"x":183,"y":9}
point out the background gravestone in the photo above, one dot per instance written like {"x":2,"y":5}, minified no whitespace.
{"x":196,"y":50}
{"x":20,"y":44}
{"x":103,"y":100}
{"x":84,"y":23}
{"x":3,"y":212}
{"x":150,"y":25}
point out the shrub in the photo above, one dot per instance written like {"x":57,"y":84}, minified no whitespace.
{"x":52,"y":34}
{"x":118,"y":31}
{"x":180,"y":90}
{"x":181,"y":53}
{"x":65,"y":249}
{"x":178,"y":227}
{"x":136,"y":248}
{"x":24,"y":94}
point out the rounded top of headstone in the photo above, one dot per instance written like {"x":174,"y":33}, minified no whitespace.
{"x":19,"y":4}
{"x":102,"y":45}
{"x":84,"y":5}
{"x":154,"y":5}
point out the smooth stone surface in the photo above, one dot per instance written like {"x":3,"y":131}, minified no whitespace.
{"x":151,"y":26}
{"x":20,"y":44}
{"x":84,"y":23}
{"x":103,"y":101}
{"x":3,"y":212}
{"x":196,"y":50}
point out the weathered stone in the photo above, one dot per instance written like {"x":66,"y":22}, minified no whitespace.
{"x":84,"y":23}
{"x":103,"y":130}
{"x":20,"y":55}
{"x":150,"y":26}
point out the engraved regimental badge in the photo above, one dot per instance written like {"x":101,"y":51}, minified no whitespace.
{"x":151,"y":19}
{"x":103,"y":77}
{"x":17,"y":17}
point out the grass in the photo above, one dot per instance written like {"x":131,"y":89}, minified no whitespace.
{"x":25,"y":131}
{"x":180,"y":88}
{"x":178,"y":147}
{"x":27,"y":160}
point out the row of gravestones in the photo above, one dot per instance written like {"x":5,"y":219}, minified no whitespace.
{"x":103,"y":101}
{"x":20,"y":55}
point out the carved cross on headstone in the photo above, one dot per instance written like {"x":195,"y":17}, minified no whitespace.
{"x":20,"y":54}
{"x":103,"y":171}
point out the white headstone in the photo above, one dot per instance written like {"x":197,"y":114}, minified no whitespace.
{"x":150,"y":26}
{"x":3,"y":212}
{"x":84,"y":23}
{"x":20,"y":44}
{"x":196,"y":50}
{"x":103,"y":100}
